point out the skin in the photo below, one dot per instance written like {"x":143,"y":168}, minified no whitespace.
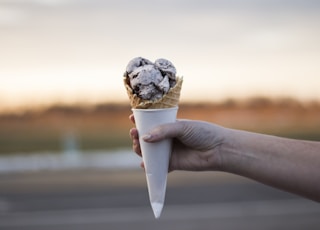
{"x":286,"y":164}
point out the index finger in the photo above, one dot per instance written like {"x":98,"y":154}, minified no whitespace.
{"x":131,"y":118}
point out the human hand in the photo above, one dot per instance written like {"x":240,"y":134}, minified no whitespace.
{"x":196,"y":144}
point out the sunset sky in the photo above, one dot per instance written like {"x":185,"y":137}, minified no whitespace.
{"x":73,"y":51}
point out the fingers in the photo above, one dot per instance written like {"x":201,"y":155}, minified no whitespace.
{"x":131,"y":118}
{"x":135,"y":137}
{"x":142,"y":165}
{"x":161,"y":132}
{"x":135,"y":141}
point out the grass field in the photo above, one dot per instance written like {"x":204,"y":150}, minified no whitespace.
{"x":106,"y":126}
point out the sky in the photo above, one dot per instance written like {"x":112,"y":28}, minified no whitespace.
{"x":76,"y":51}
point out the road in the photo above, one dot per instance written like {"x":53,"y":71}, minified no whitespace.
{"x":119,"y":200}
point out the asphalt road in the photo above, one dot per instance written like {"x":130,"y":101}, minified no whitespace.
{"x":119,"y":200}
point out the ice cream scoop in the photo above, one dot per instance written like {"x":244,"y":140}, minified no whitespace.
{"x":150,"y":81}
{"x":166,"y":67}
{"x":136,"y":63}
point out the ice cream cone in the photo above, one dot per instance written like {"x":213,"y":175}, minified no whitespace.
{"x":145,"y":83}
{"x":169,"y":100}
{"x":155,"y":155}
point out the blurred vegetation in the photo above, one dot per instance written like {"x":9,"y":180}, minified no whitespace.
{"x":106,"y":126}
{"x":99,"y":127}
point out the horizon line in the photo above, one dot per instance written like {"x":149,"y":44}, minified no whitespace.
{"x":228,"y":100}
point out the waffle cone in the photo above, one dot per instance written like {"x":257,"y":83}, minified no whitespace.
{"x":169,"y":100}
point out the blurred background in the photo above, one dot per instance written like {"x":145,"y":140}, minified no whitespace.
{"x":65,"y":153}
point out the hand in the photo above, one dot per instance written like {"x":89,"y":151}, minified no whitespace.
{"x":287,"y":164}
{"x":196,"y":144}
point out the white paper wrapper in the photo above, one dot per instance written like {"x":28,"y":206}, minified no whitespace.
{"x":155,"y":155}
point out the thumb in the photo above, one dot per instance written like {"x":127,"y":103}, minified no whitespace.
{"x":161,"y":132}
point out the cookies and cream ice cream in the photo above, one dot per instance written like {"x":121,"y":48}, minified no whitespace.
{"x":152,"y":85}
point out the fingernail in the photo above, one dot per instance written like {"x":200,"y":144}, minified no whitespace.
{"x":147,"y":137}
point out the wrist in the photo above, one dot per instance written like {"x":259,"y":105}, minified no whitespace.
{"x":230,"y":151}
{"x":222,"y":149}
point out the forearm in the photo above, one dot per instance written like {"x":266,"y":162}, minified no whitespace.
{"x":287,"y":164}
